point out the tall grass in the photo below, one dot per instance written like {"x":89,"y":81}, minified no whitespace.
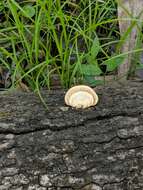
{"x":73,"y":40}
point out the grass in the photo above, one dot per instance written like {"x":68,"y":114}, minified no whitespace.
{"x":75,"y":41}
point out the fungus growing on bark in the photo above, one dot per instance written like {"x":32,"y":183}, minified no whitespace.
{"x":81,"y":96}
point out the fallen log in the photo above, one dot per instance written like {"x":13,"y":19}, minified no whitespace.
{"x":100,"y":148}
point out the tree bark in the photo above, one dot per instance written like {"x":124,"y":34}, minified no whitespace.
{"x":128,"y":11}
{"x":100,"y":148}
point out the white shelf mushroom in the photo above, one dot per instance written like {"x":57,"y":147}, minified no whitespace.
{"x":81,"y":96}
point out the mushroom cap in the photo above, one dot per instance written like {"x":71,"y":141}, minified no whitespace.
{"x":81,"y":96}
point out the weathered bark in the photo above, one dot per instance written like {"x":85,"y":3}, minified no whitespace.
{"x":128,"y":11}
{"x":100,"y":148}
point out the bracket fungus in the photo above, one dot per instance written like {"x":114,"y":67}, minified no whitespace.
{"x":81,"y":96}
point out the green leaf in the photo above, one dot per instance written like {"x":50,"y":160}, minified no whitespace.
{"x":140,"y":66}
{"x":95,"y":48}
{"x":29,"y":11}
{"x":90,"y":80}
{"x":91,"y":69}
{"x":1,"y":6}
{"x":90,"y":59}
{"x":114,"y":62}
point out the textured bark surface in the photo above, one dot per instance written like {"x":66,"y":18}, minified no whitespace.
{"x":100,"y":148}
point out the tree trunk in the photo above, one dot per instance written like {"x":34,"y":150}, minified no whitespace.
{"x":127,"y":11}
{"x":100,"y":148}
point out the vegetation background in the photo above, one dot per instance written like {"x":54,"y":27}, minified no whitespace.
{"x":59,"y":42}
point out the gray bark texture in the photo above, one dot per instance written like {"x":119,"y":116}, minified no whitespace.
{"x":99,"y":148}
